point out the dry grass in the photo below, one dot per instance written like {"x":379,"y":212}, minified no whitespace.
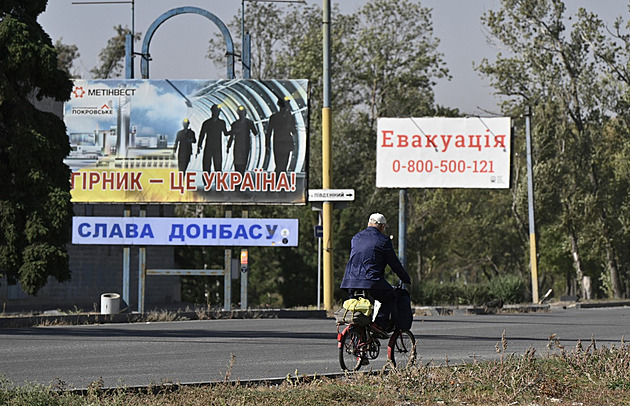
{"x":78,"y":317}
{"x":583,"y":375}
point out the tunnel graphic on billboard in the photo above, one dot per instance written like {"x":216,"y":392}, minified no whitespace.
{"x":188,"y":141}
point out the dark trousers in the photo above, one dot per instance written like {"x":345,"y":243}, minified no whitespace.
{"x":387,"y":297}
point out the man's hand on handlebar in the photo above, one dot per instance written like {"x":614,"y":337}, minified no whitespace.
{"x":403,"y":285}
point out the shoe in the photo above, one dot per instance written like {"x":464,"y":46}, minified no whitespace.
{"x":377,"y":331}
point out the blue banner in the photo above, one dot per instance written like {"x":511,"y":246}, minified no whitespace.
{"x":185,"y":231}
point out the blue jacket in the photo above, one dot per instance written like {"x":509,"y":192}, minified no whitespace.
{"x":371,"y":252}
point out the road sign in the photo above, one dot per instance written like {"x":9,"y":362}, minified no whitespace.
{"x":330,"y":195}
{"x":244,"y":258}
{"x":319,"y":231}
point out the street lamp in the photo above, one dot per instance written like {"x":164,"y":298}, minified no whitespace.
{"x":133,"y":23}
{"x":132,"y":2}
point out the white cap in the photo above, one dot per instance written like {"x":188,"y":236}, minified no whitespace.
{"x":377,"y":218}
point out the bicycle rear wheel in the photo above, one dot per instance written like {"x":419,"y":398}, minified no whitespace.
{"x":351,"y":352}
{"x":401,"y":349}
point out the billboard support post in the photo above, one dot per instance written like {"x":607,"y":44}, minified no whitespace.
{"x":402,"y":227}
{"x":129,"y":56}
{"x":227,"y":281}
{"x":142,"y":267}
{"x":126,"y":264}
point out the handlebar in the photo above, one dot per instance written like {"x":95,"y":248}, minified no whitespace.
{"x":403,"y":286}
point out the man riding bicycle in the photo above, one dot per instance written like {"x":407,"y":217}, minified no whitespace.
{"x":371,"y":252}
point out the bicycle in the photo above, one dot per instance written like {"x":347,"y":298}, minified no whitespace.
{"x":357,"y":345}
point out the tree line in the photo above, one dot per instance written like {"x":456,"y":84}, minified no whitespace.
{"x":570,"y":72}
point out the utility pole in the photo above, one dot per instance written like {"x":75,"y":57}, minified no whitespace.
{"x":327,"y":207}
{"x":533,"y":260}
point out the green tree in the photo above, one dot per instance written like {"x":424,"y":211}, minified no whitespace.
{"x":35,"y":209}
{"x":112,"y":57}
{"x":554,"y":71}
{"x":611,"y":46}
{"x":395,"y":62}
{"x":67,"y":55}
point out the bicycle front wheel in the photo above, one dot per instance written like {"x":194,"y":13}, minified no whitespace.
{"x":401,"y":350}
{"x":350,"y":351}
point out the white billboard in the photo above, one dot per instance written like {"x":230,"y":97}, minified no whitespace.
{"x":443,"y":152}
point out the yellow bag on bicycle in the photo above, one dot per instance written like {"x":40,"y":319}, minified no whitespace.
{"x":344,"y":316}
{"x":359,"y":304}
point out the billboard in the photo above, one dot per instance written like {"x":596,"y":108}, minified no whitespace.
{"x":185,"y":231}
{"x":441,"y":152}
{"x":188,"y":141}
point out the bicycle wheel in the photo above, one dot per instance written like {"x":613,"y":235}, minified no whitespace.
{"x":351,"y":351}
{"x":401,"y":349}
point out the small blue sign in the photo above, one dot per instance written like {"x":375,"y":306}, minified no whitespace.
{"x":319,"y":231}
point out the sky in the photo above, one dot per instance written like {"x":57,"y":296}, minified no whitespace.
{"x":179,"y":46}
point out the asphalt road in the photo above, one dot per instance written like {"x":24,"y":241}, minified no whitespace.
{"x":206,"y":351}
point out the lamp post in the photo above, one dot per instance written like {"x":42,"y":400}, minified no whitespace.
{"x":533,"y":257}
{"x":129,"y":74}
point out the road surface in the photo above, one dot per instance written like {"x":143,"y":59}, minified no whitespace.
{"x":207,"y":351}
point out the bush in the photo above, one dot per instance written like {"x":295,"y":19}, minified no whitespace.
{"x":432,"y":293}
{"x":475,"y":294}
{"x":507,"y":289}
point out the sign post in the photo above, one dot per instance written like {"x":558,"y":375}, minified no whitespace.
{"x":244,"y":266}
{"x":322,"y":199}
{"x":319,"y":234}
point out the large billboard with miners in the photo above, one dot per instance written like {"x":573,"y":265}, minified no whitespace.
{"x":188,"y":141}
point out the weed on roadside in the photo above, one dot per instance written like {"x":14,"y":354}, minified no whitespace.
{"x":582,"y":375}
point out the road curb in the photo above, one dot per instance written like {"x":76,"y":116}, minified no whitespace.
{"x":419,"y":311}
{"x":479,"y":310}
{"x":598,"y":305}
{"x":82,"y":319}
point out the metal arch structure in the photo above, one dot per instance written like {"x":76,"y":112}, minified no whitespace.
{"x":144,"y":65}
